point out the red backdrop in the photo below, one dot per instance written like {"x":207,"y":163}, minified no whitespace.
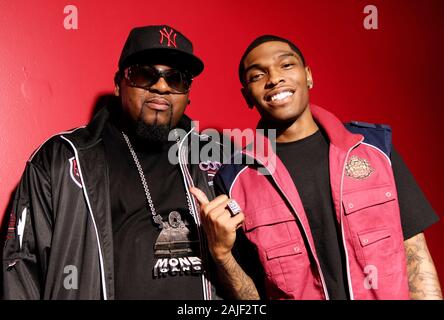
{"x":50,"y":77}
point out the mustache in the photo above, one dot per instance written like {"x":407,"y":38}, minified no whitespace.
{"x":170,"y":111}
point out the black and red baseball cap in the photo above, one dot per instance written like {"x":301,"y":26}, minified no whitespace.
{"x":160,"y":44}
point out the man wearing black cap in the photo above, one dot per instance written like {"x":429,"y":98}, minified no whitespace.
{"x":337,"y":215}
{"x":104,"y":211}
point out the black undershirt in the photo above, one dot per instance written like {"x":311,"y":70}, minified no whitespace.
{"x":134,"y":231}
{"x":307,"y":162}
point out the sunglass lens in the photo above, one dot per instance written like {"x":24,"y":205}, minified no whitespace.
{"x":143,"y":77}
{"x":177,"y":80}
{"x":147,"y":76}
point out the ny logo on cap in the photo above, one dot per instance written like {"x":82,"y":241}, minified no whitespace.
{"x":168,"y":36}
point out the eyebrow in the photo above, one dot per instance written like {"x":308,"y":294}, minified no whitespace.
{"x":283,"y":55}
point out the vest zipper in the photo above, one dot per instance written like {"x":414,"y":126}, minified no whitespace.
{"x":350,"y":287}
{"x":324,"y":287}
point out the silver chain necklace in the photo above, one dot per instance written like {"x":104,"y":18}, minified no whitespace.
{"x":156,"y":217}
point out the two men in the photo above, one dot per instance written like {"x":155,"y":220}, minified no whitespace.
{"x":102,"y":211}
{"x":337,"y":214}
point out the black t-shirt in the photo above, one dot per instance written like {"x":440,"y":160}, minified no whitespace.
{"x":307,"y":161}
{"x":149,"y":262}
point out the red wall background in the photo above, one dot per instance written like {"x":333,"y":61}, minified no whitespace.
{"x":50,"y":77}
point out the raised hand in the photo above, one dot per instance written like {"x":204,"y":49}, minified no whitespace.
{"x":219,"y":224}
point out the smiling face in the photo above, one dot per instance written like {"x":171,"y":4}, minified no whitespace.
{"x":276,"y":83}
{"x":159,"y":107}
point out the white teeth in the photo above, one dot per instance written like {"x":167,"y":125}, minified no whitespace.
{"x":281,"y":95}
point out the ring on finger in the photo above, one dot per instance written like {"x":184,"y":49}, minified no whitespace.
{"x":233,"y":207}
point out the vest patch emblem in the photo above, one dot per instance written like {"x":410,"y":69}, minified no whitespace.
{"x":358,"y":168}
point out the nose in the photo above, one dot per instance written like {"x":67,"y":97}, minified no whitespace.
{"x":274,"y":78}
{"x":161,"y":86}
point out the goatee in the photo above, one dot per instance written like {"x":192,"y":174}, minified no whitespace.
{"x":152,"y":132}
{"x":155,"y":132}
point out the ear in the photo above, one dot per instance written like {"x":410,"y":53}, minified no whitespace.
{"x":117,"y":84}
{"x":247,"y":97}
{"x":309,"y":78}
{"x":188,"y":96}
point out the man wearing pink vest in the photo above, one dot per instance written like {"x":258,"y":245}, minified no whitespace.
{"x":328,"y":212}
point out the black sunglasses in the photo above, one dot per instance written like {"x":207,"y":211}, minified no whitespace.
{"x":146,"y":76}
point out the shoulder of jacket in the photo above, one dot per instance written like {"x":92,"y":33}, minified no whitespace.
{"x":229,"y":172}
{"x":367,"y":125}
{"x":376,"y":135}
{"x":52,"y":143}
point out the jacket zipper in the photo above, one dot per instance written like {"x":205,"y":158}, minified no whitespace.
{"x":102,"y":269}
{"x":205,"y":283}
{"x":324,"y":287}
{"x":350,"y":288}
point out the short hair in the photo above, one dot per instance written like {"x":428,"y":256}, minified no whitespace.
{"x":260,"y":40}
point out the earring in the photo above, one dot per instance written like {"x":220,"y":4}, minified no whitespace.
{"x":310,"y":84}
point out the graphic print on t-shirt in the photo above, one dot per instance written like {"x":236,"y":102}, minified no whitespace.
{"x":174,"y":249}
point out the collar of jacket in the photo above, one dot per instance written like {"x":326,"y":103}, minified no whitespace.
{"x":338,"y":135}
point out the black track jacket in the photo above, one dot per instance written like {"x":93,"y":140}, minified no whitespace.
{"x":60,"y":243}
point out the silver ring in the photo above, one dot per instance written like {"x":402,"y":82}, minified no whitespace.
{"x":233,"y":207}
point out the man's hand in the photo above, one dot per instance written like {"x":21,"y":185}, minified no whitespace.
{"x":220,"y":227}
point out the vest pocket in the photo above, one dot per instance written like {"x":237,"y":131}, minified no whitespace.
{"x":370,"y":237}
{"x":276,"y":235}
{"x":284,"y":250}
{"x":286,"y":265}
{"x":274,"y":214}
{"x":362,"y":199}
{"x":379,"y":250}
{"x":373,"y":221}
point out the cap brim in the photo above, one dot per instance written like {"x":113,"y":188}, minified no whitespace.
{"x":171,"y":57}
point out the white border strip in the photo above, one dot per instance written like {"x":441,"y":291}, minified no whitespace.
{"x":370,"y":145}
{"x":102,"y":270}
{"x":187,"y":179}
{"x":349,"y":280}
{"x":55,"y":135}
{"x":234,"y":181}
